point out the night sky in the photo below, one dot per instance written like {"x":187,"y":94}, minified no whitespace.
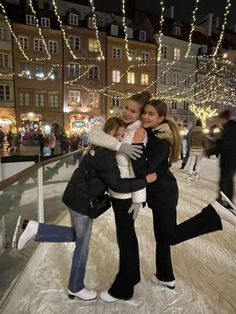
{"x":183,"y":8}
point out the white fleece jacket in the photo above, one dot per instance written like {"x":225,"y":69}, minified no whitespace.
{"x":98,"y":137}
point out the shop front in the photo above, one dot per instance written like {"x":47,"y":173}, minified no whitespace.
{"x":7,"y":122}
{"x":81,"y":124}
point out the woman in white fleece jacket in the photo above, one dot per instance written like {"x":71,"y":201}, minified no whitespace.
{"x":125,"y":205}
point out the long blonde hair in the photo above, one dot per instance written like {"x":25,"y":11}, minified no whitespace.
{"x":161,"y":108}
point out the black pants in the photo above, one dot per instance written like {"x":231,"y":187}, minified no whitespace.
{"x":227,"y":172}
{"x":129,"y":273}
{"x":168,"y":233}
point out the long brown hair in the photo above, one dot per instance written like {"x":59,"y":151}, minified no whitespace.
{"x":113,"y":124}
{"x":162,"y":109}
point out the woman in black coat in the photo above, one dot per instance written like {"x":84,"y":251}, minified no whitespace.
{"x":162,"y":148}
{"x":97,"y":172}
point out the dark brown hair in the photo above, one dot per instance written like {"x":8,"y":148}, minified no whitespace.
{"x":113,"y":124}
{"x":162,"y":109}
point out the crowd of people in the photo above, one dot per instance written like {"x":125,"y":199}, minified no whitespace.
{"x":131,"y":158}
{"x":13,"y":140}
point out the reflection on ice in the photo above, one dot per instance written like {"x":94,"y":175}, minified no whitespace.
{"x":205,"y":267}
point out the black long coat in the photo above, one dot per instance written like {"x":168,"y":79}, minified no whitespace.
{"x":97,"y":172}
{"x":155,"y":159}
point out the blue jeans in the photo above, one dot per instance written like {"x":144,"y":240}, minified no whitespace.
{"x":80,"y":233}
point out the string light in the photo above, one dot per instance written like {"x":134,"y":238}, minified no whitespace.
{"x":39,"y":30}
{"x":160,"y":33}
{"x":96,"y":29}
{"x":16,"y":40}
{"x":192,"y":29}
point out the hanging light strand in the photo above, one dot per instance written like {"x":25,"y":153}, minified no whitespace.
{"x":192,"y":29}
{"x":160,"y":33}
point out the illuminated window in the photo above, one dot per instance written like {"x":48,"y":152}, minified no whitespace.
{"x":92,"y":45}
{"x":176,"y":54}
{"x":116,"y":76}
{"x":144,"y":79}
{"x":93,"y":100}
{"x":130,"y":77}
{"x":74,"y":98}
{"x":39,"y":70}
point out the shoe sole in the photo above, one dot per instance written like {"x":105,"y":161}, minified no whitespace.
{"x":225,"y":198}
{"x":14,"y":239}
{"x":71,"y":296}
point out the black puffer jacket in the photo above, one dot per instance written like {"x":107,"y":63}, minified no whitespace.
{"x":97,"y":172}
{"x":155,"y":159}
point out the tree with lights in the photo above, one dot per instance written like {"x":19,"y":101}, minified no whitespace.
{"x":203,"y":113}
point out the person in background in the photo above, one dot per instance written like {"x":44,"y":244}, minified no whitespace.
{"x":18,"y":140}
{"x":41,"y":141}
{"x":163,"y":147}
{"x":2,"y":135}
{"x":97,"y":172}
{"x":52,"y":142}
{"x":85,"y":140}
{"x":196,"y":146}
{"x":226,"y":148}
{"x":10,"y":139}
{"x":47,"y":149}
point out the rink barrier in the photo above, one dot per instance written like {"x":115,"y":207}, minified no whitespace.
{"x":33,"y":193}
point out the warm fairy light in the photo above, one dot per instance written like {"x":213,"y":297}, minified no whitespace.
{"x":192,"y":28}
{"x":96,"y":30}
{"x":17,"y":41}
{"x":160,"y":33}
{"x":203,"y":113}
{"x":125,"y":31}
{"x":39,"y":30}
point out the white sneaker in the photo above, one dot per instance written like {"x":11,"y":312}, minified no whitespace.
{"x":105,"y":296}
{"x":84,"y":294}
{"x":196,"y":177}
{"x":168,"y":284}
{"x":30,"y":230}
{"x":225,"y":213}
{"x":226,"y":199}
{"x":188,"y":178}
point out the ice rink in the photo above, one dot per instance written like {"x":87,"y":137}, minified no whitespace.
{"x":205,"y":267}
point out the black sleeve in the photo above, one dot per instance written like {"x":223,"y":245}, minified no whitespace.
{"x":108,"y":171}
{"x":148,"y":163}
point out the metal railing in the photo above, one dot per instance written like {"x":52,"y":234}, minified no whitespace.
{"x":33,"y":193}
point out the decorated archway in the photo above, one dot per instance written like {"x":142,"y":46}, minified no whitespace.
{"x":7,"y":122}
